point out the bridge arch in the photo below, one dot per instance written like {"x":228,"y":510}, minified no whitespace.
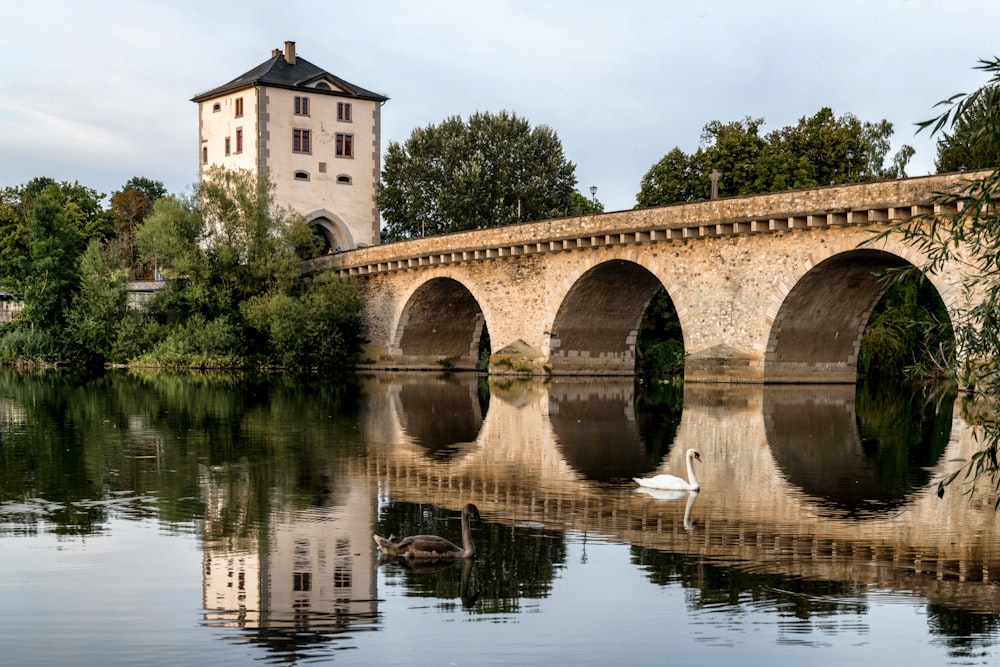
{"x":441,"y":326}
{"x":816,"y":333}
{"x":596,"y":327}
{"x":332,"y":230}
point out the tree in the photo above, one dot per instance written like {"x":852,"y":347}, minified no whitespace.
{"x":234,"y":293}
{"x":969,"y":145}
{"x":51,"y":265}
{"x":81,"y":208}
{"x":129,"y":207}
{"x":493,"y":170}
{"x":971,"y":236}
{"x":819,"y":150}
{"x":98,"y":307}
{"x":584,"y":206}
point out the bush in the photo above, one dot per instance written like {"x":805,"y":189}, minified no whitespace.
{"x":20,"y":345}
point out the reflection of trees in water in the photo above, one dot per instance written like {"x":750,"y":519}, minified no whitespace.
{"x":858,"y":451}
{"x":967,"y":635}
{"x":607,"y":436}
{"x":733,"y":586}
{"x":101,"y":438}
{"x":904,"y":431}
{"x":443,"y":415}
{"x":511,"y":564}
{"x":658,"y":409}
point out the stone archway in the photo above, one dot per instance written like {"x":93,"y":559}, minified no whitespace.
{"x":331,"y":230}
{"x":817,"y":331}
{"x":441,"y":325}
{"x":597,"y":326}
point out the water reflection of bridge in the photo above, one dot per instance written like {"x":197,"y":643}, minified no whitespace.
{"x":756,"y":509}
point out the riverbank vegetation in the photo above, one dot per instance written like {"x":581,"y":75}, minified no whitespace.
{"x":227,"y":256}
{"x":969,"y":130}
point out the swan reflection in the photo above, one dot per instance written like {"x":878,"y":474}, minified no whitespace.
{"x":672,"y":494}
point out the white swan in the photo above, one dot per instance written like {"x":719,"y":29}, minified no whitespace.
{"x":671,"y":482}
{"x":432,"y":547}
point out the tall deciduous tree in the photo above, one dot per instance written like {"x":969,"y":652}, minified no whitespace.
{"x":129,"y":207}
{"x":819,"y":150}
{"x":493,"y":170}
{"x":51,"y":275}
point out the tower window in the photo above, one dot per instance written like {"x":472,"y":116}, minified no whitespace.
{"x":301,"y":106}
{"x":301,"y":141}
{"x":345,"y":145}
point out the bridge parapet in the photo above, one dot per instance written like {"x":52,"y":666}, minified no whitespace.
{"x":816,"y":208}
{"x":768,"y":288}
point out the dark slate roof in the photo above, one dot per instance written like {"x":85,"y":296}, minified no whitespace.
{"x":277,"y":72}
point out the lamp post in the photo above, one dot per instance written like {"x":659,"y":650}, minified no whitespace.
{"x":850,"y":156}
{"x":593,"y":195}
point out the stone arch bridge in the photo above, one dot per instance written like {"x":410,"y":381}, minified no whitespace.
{"x":770,"y":288}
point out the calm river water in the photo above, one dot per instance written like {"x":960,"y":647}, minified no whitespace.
{"x":181,"y":520}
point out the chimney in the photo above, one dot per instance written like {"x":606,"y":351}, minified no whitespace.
{"x":290,"y":53}
{"x":275,"y":53}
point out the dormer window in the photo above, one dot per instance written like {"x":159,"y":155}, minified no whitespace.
{"x":301,"y":105}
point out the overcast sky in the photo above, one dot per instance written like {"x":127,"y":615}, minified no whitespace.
{"x":99,"y":91}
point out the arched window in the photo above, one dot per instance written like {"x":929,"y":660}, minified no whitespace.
{"x":344,"y":179}
{"x":301,"y":175}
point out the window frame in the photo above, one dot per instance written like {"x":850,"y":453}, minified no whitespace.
{"x":344,"y":112}
{"x":345,"y":145}
{"x":301,"y":106}
{"x":239,"y":107}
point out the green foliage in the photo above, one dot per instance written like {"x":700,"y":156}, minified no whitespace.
{"x":22,"y":346}
{"x":909,"y":333}
{"x":971,"y":236}
{"x":129,"y":207}
{"x":493,"y":170}
{"x":317,"y":328}
{"x":583,"y":206}
{"x":819,"y":150}
{"x":50,"y":277}
{"x":660,"y":348}
{"x":218,"y":251}
{"x":98,"y":308}
{"x":197,"y":342}
{"x":972,"y":142}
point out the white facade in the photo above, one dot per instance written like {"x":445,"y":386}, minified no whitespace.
{"x":316,"y":136}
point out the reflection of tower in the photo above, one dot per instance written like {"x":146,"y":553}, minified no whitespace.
{"x":230,"y":565}
{"x":321,"y":564}
{"x":313,"y":571}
